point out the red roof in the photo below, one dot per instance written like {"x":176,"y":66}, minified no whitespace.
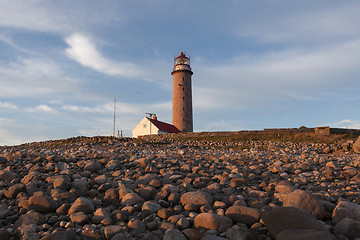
{"x":165,"y":127}
{"x":182,"y":55}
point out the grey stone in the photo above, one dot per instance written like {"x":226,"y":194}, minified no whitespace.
{"x":346,"y":209}
{"x":14,"y":190}
{"x":237,"y":233}
{"x":69,"y":234}
{"x":42,"y":204}
{"x":348,"y":227}
{"x":132,"y":199}
{"x":4,"y":234}
{"x":6,"y":175}
{"x":296,"y":234}
{"x":79,"y":218}
{"x":31,"y":217}
{"x":279,"y":219}
{"x":302,"y":200}
{"x":174,"y":234}
{"x":111,"y":230}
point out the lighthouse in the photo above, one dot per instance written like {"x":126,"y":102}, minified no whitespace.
{"x":182,"y":114}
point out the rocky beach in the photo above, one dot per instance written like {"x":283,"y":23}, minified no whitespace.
{"x":173,"y":189}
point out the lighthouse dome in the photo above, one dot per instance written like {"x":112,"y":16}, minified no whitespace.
{"x":182,"y":62}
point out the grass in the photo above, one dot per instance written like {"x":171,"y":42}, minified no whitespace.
{"x":246,"y":136}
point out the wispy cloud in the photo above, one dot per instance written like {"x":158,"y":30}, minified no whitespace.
{"x":347,"y":123}
{"x":42,"y":108}
{"x":7,"y":105}
{"x":121,"y":107}
{"x":60,"y":17}
{"x":83,"y":50}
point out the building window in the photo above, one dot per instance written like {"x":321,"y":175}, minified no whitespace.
{"x":144,"y":125}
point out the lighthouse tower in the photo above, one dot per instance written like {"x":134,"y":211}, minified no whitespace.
{"x":182,"y":115}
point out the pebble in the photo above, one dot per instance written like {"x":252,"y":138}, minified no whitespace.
{"x":106,"y":188}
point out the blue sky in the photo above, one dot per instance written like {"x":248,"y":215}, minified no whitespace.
{"x":257,"y":64}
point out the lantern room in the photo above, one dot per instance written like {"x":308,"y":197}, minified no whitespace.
{"x":182,"y":62}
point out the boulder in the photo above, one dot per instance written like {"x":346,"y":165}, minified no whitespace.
{"x":356,"y":145}
{"x":296,"y":234}
{"x":101,"y":214}
{"x":112,"y":230}
{"x":112,"y":196}
{"x":62,"y":182}
{"x":31,"y":217}
{"x":69,"y":234}
{"x":79,"y":218}
{"x":304,"y":201}
{"x":174,"y":234}
{"x":6,"y":175}
{"x":81,"y":185}
{"x":14,"y":190}
{"x":192,"y":234}
{"x":210,"y":221}
{"x":150,"y":207}
{"x":345,"y":209}
{"x":4,"y":211}
{"x":147,"y":192}
{"x":82,"y":204}
{"x":42,"y":204}
{"x":132,"y":199}
{"x":284,"y":187}
{"x":4,"y":234}
{"x":192,"y":201}
{"x":240,"y":214}
{"x":279,"y":219}
{"x":3,"y":160}
{"x":348,"y":227}
{"x":136,"y":226}
{"x":237,"y":233}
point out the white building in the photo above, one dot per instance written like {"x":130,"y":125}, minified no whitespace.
{"x":150,"y":126}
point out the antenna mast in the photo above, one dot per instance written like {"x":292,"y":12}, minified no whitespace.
{"x":114,"y":117}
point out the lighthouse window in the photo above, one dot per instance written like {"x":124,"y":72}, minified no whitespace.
{"x":183,"y":89}
{"x":183,"y":78}
{"x":183,"y":119}
{"x":183,"y":98}
{"x":183,"y":109}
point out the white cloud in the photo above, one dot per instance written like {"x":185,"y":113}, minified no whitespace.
{"x":122,"y":108}
{"x":82,"y":50}
{"x":28,"y":14}
{"x":7,"y":105}
{"x":42,"y":108}
{"x":346,"y":123}
{"x":59,"y":16}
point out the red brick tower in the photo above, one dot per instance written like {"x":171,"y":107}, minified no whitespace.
{"x":182,"y":115}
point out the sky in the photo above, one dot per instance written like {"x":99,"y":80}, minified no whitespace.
{"x":257,"y":64}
